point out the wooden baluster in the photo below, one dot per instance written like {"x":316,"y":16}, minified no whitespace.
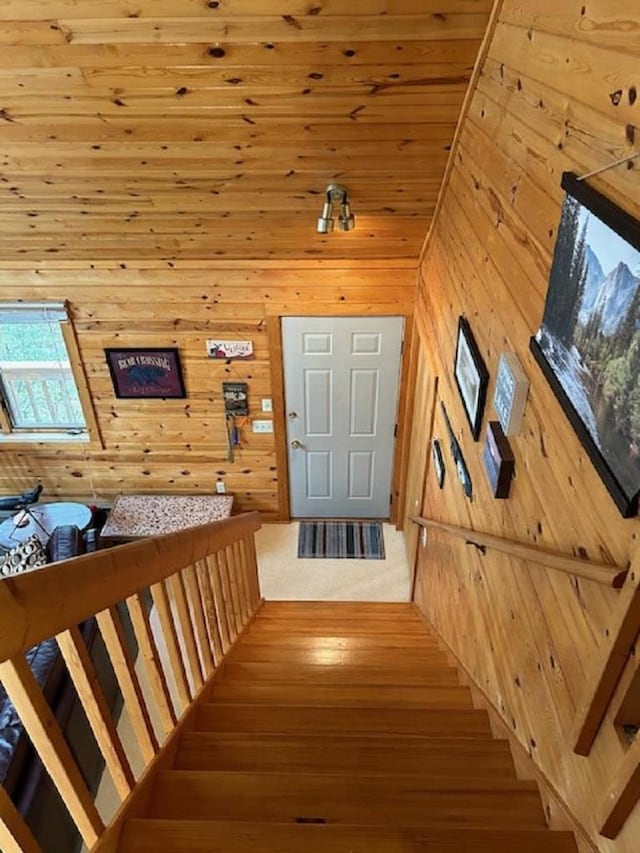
{"x":151,"y":660}
{"x":43,"y":730}
{"x":623,"y":794}
{"x":223,"y":570}
{"x":232,"y":571}
{"x":85,"y":678}
{"x":165,"y":617}
{"x":254,"y":577}
{"x":202,"y":574}
{"x":176,"y":585}
{"x":195,"y":603}
{"x":114,"y":639}
{"x":248,"y":557}
{"x":15,"y":835}
{"x":243,"y":586}
{"x":218,"y":598}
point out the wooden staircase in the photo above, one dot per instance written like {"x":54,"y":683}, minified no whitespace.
{"x":339,"y":728}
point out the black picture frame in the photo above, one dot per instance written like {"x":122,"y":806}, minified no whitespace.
{"x":588,"y":343}
{"x":145,"y":373}
{"x":471,"y":375}
{"x":438,"y":461}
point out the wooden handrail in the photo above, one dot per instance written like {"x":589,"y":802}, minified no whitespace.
{"x":40,"y":604}
{"x":203,"y":582}
{"x":612,"y":576}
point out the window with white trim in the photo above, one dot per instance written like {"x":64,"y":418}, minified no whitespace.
{"x":37,"y":384}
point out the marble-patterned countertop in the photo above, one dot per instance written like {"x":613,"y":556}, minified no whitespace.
{"x":152,"y":515}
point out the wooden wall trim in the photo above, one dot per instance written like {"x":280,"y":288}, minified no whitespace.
{"x":274,"y":336}
{"x":206,"y":263}
{"x":466,"y":104}
{"x":406,"y":398}
{"x":80,"y":377}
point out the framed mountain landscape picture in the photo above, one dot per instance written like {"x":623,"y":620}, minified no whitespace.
{"x":588,"y":344}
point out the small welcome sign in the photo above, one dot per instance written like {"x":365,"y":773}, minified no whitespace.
{"x":148,"y":373}
{"x":230,"y":349}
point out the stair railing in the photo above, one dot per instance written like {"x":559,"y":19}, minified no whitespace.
{"x":191,"y":593}
{"x":613,"y":693}
{"x":602,"y":573}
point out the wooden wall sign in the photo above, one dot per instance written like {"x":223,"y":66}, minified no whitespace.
{"x":230,"y":349}
{"x":498,"y":459}
{"x":510,"y":397}
{"x":235,"y":398}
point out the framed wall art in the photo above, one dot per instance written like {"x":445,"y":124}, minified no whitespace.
{"x":510,"y":395}
{"x":471,"y":376}
{"x":498,"y":459}
{"x":588,"y":344}
{"x":145,"y":373}
{"x":438,"y":461}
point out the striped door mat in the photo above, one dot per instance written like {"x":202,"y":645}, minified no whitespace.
{"x":334,"y":539}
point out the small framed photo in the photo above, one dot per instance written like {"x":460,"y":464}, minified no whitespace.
{"x":471,"y":375}
{"x":438,"y":461}
{"x":138,"y":372}
{"x":498,"y":460}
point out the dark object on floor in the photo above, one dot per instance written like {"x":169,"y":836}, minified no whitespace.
{"x":334,"y":539}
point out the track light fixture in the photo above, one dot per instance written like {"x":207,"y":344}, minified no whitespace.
{"x":336,"y":194}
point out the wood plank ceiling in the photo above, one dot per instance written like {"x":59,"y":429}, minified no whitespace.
{"x":200,"y":129}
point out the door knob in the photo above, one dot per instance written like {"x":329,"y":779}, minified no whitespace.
{"x":295,"y":444}
{"x":293,"y":415}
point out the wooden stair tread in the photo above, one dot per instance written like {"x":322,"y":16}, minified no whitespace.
{"x":265,"y":671}
{"x":273,"y":718}
{"x":394,"y":800}
{"x":342,"y":627}
{"x":336,"y":641}
{"x":332,"y":654}
{"x":350,"y":695}
{"x":171,"y":836}
{"x":346,"y":609}
{"x":336,"y":754}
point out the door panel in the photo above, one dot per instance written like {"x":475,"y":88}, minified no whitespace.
{"x":341,"y":388}
{"x":364,"y":402}
{"x":318,"y":402}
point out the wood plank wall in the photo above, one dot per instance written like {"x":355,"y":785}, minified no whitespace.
{"x":557,"y":92}
{"x":179,"y":446}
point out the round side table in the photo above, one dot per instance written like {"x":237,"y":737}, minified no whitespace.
{"x":41,"y":520}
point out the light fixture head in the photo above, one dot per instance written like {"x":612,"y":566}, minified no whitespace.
{"x":324,"y":225}
{"x":346,"y":220}
{"x":336,"y":194}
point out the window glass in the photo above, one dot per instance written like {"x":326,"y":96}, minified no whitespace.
{"x":38,"y":387}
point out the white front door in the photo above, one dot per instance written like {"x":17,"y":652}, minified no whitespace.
{"x":341,"y":387}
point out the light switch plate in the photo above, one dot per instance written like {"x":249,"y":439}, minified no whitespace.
{"x":266,"y":404}
{"x":262,"y":426}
